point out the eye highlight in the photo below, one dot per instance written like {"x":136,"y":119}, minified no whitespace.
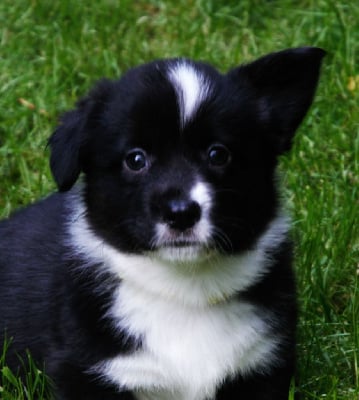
{"x":136,"y":160}
{"x":218,"y":155}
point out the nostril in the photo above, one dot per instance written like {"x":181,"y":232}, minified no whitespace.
{"x":182,"y":214}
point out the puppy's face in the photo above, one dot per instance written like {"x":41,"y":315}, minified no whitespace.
{"x":179,"y":159}
{"x":170,"y":171}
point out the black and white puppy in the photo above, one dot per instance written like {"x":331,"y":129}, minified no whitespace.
{"x":166,"y":273}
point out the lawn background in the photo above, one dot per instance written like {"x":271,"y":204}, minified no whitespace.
{"x":52,"y":52}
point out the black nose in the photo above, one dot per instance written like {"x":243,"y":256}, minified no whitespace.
{"x":181,"y":214}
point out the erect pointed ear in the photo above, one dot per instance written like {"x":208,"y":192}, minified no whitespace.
{"x":283,"y":84}
{"x":70,"y":137}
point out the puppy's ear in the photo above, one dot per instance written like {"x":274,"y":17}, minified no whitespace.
{"x":70,"y":137}
{"x":283,"y":84}
{"x":65,"y":144}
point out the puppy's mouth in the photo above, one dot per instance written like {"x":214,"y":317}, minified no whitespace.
{"x":181,"y":252}
{"x":181,"y":249}
{"x":181,"y":244}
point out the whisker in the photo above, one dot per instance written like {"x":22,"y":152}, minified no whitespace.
{"x":221,"y":239}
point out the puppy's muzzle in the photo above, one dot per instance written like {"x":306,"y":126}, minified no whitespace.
{"x":183,"y":229}
{"x":181,"y":214}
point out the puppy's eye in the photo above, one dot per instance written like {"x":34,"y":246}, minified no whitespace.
{"x":136,"y":160}
{"x":218,"y":155}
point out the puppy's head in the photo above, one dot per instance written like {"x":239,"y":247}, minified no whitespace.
{"x":179,"y":159}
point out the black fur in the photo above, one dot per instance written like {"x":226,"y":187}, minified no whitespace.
{"x":56,"y":308}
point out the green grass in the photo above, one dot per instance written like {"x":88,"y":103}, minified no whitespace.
{"x":51,"y":53}
{"x":33,"y":384}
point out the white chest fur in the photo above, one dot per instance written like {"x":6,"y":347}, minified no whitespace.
{"x":187,"y":351}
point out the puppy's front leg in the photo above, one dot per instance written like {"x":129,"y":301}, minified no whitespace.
{"x":73,"y":384}
{"x":274,"y":386}
{"x":87,"y":394}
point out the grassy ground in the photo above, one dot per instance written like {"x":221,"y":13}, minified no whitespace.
{"x":51,"y":52}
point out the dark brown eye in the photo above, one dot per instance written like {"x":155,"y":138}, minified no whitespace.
{"x":136,"y":160}
{"x":218,"y":155}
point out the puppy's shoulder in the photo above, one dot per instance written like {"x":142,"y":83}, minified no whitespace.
{"x":34,"y":232}
{"x":47,"y":210}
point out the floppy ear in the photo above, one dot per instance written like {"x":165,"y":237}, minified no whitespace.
{"x":70,"y":137}
{"x":284,"y":84}
{"x":65,"y":144}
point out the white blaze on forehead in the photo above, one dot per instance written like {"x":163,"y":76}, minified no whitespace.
{"x":192,"y":88}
